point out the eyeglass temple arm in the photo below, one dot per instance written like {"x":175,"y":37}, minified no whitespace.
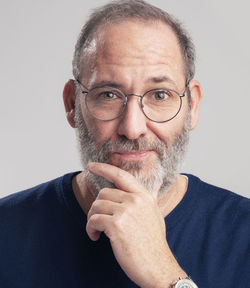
{"x":186,"y":88}
{"x":83,"y":91}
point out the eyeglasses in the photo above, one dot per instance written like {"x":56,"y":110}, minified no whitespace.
{"x":108,"y":103}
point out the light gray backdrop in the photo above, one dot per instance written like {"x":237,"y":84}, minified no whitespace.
{"x":37,"y":41}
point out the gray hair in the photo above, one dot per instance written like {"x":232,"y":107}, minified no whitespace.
{"x":120,"y":10}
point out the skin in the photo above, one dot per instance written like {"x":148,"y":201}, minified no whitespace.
{"x":137,"y":57}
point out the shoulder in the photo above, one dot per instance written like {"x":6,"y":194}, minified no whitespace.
{"x":29,"y":196}
{"x":217,"y":198}
{"x":217,"y":230}
{"x":31,"y":200}
{"x":222,"y":215}
{"x":218,"y":207}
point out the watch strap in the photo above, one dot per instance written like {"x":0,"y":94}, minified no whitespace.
{"x":184,"y":283}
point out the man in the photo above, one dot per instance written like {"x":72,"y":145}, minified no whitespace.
{"x":129,"y":219}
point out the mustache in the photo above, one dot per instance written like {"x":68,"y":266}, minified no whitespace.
{"x":126,"y":145}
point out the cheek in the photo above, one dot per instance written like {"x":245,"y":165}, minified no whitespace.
{"x":101,"y":131}
{"x":163,"y":131}
{"x":168,"y":131}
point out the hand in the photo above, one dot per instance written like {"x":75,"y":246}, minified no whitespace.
{"x":131,"y":219}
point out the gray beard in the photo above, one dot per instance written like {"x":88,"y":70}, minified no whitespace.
{"x":163,"y":172}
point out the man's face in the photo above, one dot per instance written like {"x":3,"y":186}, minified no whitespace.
{"x":135,"y":57}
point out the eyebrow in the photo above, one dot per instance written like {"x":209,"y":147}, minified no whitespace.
{"x":107,"y":83}
{"x":161,"y":79}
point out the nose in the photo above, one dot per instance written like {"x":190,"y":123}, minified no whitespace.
{"x":133,"y":122}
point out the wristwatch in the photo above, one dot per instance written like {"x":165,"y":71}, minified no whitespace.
{"x":184,"y":283}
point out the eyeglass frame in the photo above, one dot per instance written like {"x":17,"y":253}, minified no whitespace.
{"x":181,"y":95}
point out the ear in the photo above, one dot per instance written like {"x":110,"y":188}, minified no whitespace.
{"x":196,"y":96}
{"x":69,"y":101}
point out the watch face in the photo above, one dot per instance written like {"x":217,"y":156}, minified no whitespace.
{"x":185,"y":283}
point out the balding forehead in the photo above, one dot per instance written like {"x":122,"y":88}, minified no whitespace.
{"x":135,"y":40}
{"x":102,"y":34}
{"x":142,"y":42}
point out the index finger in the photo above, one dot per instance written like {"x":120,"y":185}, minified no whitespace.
{"x":120,"y":178}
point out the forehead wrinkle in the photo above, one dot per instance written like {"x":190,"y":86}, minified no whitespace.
{"x":161,"y":59}
{"x":104,"y":75}
{"x":130,"y":56}
{"x":108,"y":57}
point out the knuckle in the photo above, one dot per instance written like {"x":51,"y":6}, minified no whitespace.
{"x":96,"y":204}
{"x":94,"y":219}
{"x":135,"y":199}
{"x":123,"y":211}
{"x":121,"y":175}
{"x":117,"y":225}
{"x":103,"y":193}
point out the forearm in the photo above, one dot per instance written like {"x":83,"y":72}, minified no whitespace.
{"x":165,"y":273}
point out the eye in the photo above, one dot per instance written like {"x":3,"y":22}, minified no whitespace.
{"x":107,"y":95}
{"x":161,"y":95}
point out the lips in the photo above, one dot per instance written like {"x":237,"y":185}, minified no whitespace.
{"x":131,"y":155}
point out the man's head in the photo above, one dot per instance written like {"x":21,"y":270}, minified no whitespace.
{"x":122,"y":11}
{"x":139,"y":48}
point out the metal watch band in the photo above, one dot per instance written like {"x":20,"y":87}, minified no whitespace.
{"x":184,"y":283}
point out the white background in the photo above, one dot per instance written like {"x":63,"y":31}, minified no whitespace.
{"x":37,"y":42}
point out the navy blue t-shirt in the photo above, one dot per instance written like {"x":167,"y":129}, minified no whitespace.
{"x":43,"y":242}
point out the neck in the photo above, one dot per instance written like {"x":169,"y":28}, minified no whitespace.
{"x":171,"y":198}
{"x":166,"y":202}
{"x":82,"y":191}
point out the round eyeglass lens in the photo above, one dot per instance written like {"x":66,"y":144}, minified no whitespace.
{"x":161,"y":105}
{"x":105,"y":103}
